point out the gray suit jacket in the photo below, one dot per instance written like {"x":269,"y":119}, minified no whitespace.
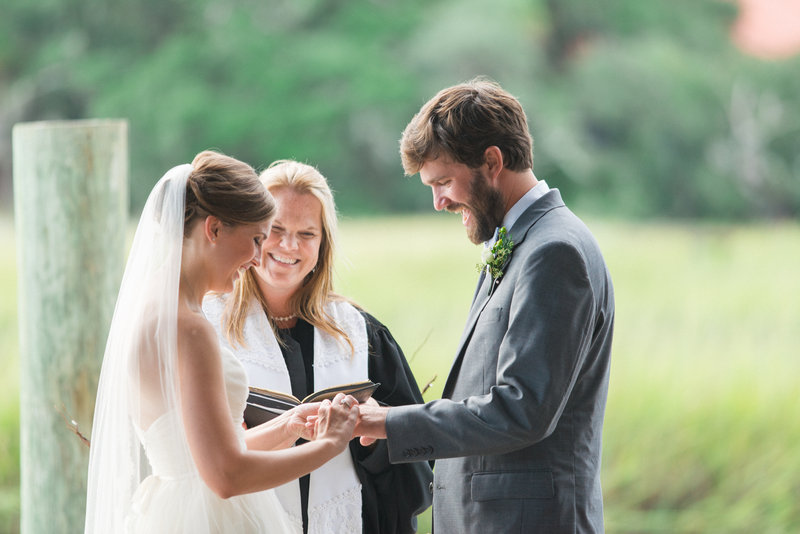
{"x":517,"y":436}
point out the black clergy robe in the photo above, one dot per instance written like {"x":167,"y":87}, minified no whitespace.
{"x":392,"y":495}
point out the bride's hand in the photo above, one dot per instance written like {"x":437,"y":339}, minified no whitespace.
{"x":336,"y":420}
{"x":301,"y":421}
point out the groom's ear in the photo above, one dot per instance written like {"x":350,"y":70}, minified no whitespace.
{"x":211,"y":227}
{"x":493,"y":160}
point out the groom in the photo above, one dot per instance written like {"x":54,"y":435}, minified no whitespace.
{"x":517,"y":434}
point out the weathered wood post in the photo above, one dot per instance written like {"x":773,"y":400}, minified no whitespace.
{"x":70,"y":208}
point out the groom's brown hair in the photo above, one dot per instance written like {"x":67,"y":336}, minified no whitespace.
{"x":462,"y":122}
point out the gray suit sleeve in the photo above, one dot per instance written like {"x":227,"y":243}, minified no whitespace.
{"x":550,"y":313}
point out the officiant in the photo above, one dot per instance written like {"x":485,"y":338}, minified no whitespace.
{"x":294,"y":334}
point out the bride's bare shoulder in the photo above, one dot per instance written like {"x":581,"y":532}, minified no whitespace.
{"x":196,"y":335}
{"x":193,"y":323}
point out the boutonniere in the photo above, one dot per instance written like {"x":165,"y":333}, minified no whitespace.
{"x":494,"y":259}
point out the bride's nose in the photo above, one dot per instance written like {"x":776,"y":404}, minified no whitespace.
{"x":256,"y":260}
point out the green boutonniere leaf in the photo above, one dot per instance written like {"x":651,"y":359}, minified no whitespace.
{"x":494,"y":259}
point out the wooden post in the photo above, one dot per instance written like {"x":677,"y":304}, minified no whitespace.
{"x":70,"y":208}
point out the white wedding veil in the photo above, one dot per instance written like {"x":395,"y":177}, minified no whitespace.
{"x":138,"y":381}
{"x":142,"y":476}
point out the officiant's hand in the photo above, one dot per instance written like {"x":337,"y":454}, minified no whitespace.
{"x":336,"y":420}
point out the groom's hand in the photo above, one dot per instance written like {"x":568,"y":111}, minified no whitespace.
{"x":371,"y":424}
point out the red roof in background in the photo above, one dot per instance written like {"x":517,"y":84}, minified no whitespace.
{"x":768,"y":29}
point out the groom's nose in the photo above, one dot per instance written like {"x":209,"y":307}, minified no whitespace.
{"x":439,"y":200}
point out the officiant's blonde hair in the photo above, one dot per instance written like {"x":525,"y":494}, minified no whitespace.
{"x":309,"y":301}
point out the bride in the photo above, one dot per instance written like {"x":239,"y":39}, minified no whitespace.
{"x":170,"y":394}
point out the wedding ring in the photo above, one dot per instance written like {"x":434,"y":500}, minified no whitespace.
{"x":344,"y":403}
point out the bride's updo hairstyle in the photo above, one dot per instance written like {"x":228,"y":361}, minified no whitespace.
{"x":226,"y":188}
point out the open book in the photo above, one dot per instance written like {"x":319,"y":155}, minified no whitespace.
{"x":265,"y":404}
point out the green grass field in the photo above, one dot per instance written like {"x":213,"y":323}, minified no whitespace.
{"x":703,"y":417}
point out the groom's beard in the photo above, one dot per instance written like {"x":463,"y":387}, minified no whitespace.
{"x":486,"y":206}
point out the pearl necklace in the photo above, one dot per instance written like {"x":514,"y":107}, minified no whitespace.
{"x":283,"y":319}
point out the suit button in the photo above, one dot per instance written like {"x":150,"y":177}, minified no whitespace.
{"x":430,"y":487}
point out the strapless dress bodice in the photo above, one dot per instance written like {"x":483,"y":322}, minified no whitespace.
{"x":176,"y":499}
{"x":165,"y":448}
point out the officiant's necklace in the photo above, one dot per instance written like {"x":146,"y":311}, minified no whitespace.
{"x":283,"y":319}
{"x":276,"y":318}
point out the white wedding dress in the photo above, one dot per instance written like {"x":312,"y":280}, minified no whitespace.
{"x":173,"y":500}
{"x":138,"y":412}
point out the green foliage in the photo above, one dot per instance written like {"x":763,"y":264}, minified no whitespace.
{"x":316,"y":84}
{"x":652,"y":122}
{"x":641,"y":109}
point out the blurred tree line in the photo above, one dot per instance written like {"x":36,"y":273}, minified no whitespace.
{"x":637,"y":109}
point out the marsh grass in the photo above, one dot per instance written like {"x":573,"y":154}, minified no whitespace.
{"x":703,"y":415}
{"x":9,"y":383}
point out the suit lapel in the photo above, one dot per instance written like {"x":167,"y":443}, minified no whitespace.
{"x":478,"y":287}
{"x":478,"y":303}
{"x":518,"y":233}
